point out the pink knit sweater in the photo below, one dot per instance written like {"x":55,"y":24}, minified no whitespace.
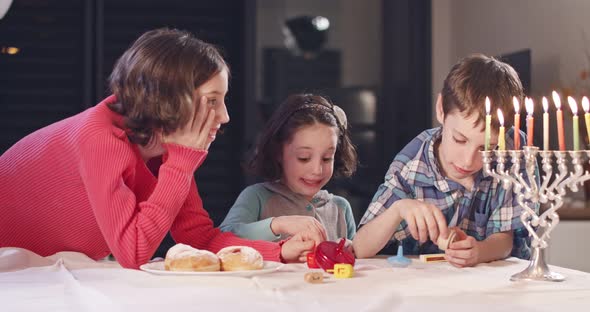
{"x":80,"y":185}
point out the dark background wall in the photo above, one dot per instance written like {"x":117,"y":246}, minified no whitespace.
{"x":68,"y":48}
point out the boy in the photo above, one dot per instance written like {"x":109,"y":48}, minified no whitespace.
{"x":437,"y":181}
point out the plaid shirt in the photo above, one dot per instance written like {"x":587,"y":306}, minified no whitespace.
{"x":483,"y":211}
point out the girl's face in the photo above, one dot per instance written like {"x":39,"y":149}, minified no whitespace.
{"x":308,"y":159}
{"x":215,"y":90}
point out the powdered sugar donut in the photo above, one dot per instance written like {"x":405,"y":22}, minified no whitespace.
{"x":240,"y":258}
{"x":183,"y":257}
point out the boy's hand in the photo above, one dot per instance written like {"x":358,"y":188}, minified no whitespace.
{"x":296,"y":248}
{"x":424,"y":220}
{"x":195,"y":134}
{"x":464,"y":252}
{"x":292,"y":225}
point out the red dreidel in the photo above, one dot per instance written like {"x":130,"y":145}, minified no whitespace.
{"x":328,"y":254}
{"x":311,"y":263}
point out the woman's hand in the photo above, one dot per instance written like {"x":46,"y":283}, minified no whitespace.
{"x":195,"y":134}
{"x":291,"y":225}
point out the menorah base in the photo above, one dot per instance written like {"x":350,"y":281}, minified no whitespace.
{"x":538,"y":270}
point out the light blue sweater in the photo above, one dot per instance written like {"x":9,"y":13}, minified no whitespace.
{"x":258,"y":204}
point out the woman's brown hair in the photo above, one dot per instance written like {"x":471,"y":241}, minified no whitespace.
{"x":155,"y":78}
{"x":295,"y":112}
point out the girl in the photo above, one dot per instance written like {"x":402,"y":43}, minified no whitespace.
{"x":118,"y":176}
{"x":302,"y":143}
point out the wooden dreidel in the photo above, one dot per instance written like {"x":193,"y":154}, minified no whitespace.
{"x":314,"y":277}
{"x":443,"y":244}
{"x":342,"y":270}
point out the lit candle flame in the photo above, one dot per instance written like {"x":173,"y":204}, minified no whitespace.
{"x":545,"y":104}
{"x":585,"y":104}
{"x":573,"y":105}
{"x":516,"y":105}
{"x":500,"y":117}
{"x":488,"y":105}
{"x":556,"y":100}
{"x":529,"y":105}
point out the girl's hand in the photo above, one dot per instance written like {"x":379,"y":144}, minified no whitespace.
{"x":424,"y":220}
{"x":464,"y":252}
{"x":296,"y":248}
{"x":292,"y":225}
{"x":195,"y":134}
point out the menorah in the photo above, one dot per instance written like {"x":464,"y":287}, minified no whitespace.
{"x":531,"y":191}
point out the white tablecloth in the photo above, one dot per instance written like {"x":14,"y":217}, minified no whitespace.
{"x":72,"y":282}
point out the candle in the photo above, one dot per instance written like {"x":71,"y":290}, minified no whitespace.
{"x":586,"y":106}
{"x":516,"y":123}
{"x":574,"y":107}
{"x":488,"y":124}
{"x":560,"y":134}
{"x":501,"y":136}
{"x":529,"y":105}
{"x":545,"y":124}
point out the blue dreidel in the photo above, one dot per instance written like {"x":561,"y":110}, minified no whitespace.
{"x":399,"y":260}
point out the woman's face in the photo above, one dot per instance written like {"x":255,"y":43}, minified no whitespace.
{"x":215,"y":90}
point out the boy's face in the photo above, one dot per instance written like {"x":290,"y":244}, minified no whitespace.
{"x":308,"y":159}
{"x":461,"y":141}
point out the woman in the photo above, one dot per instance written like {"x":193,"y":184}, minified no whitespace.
{"x":118,"y":176}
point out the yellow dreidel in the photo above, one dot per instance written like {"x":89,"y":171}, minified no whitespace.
{"x":342,"y":270}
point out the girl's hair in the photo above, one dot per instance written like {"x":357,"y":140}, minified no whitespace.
{"x":297,"y":111}
{"x":155,"y":78}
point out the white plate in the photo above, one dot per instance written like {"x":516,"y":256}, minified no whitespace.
{"x":157,"y":267}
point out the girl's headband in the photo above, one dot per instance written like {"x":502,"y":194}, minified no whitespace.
{"x":338,"y":112}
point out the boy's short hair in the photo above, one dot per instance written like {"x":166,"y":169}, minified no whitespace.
{"x":476,"y":77}
{"x":155,"y":78}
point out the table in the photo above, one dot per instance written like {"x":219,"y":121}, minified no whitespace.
{"x":70,"y":281}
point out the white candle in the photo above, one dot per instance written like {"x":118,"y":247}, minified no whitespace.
{"x":559,"y":116}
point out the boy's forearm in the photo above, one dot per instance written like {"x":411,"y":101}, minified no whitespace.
{"x":496,"y":247}
{"x":373,"y":236}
